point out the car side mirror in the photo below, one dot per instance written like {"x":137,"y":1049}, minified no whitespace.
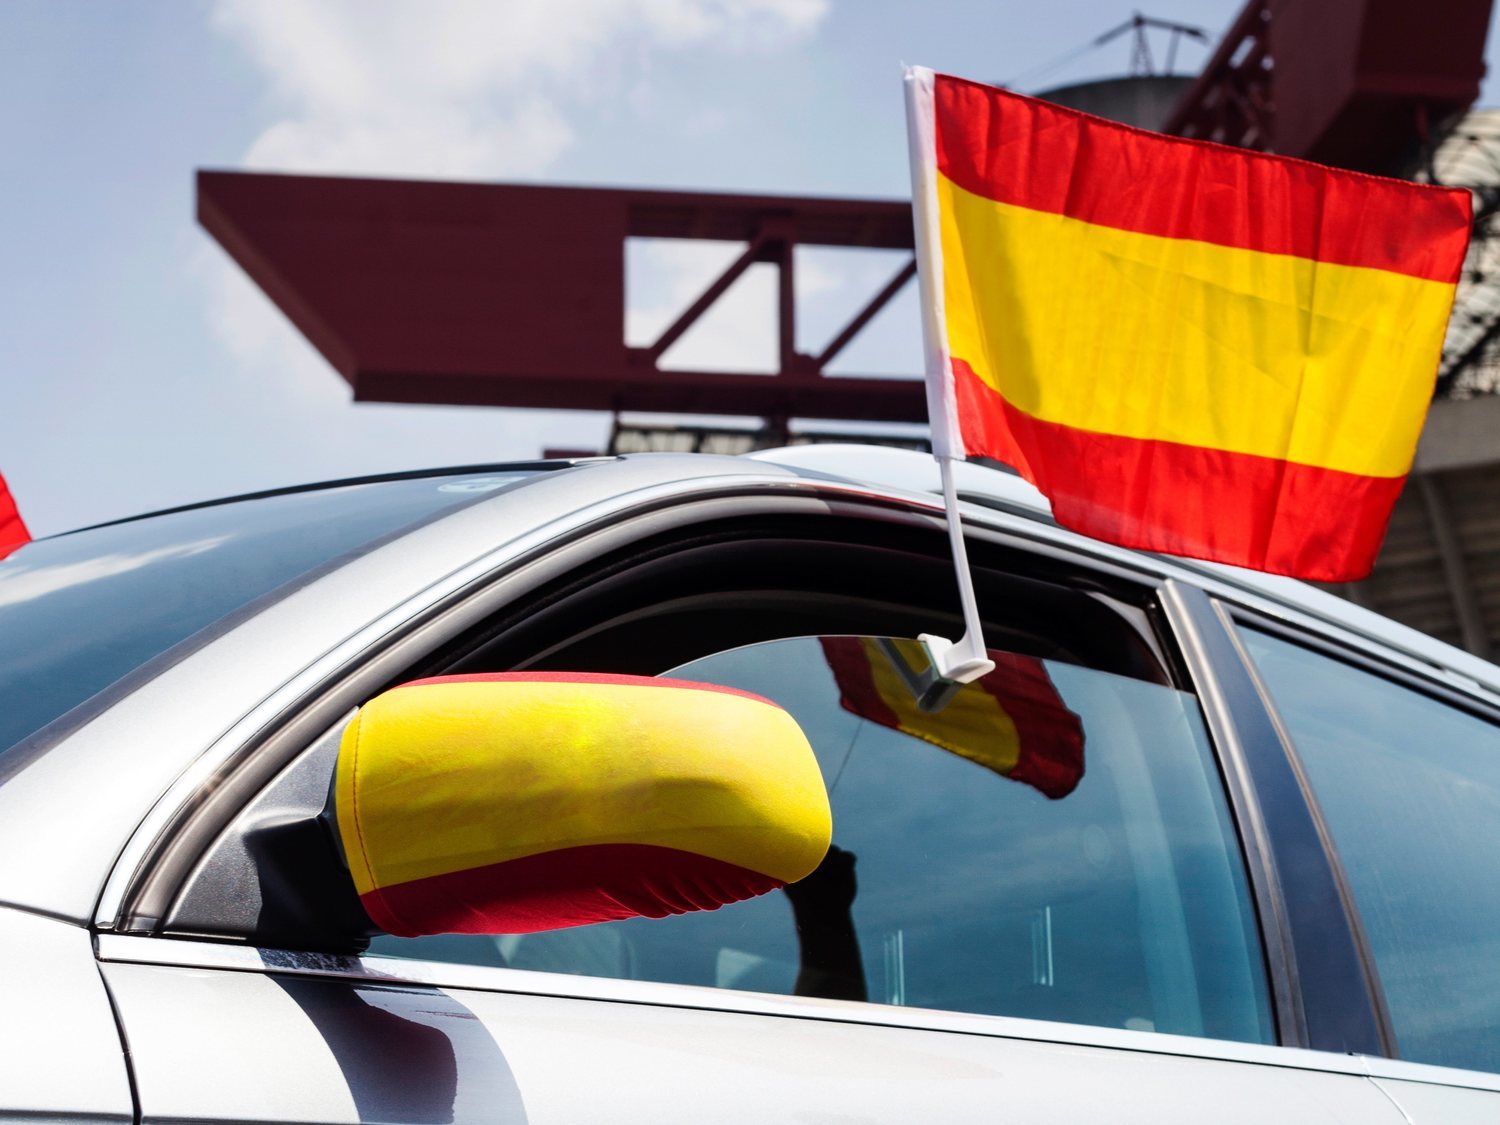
{"x":535,"y":801}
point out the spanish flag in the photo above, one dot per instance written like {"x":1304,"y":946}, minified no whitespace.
{"x":1187,"y":347}
{"x":1011,"y":721}
{"x":13,"y":531}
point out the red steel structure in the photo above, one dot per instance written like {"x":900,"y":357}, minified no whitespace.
{"x":1362,"y":84}
{"x":507,"y":295}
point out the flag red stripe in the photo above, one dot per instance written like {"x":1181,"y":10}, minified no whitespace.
{"x":1029,"y":153}
{"x":13,"y":531}
{"x":1050,"y":736}
{"x":567,"y":887}
{"x":1277,"y":516}
{"x":850,"y":664}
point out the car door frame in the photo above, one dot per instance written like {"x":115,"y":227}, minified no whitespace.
{"x":1366,"y":650}
{"x":1243,"y":736}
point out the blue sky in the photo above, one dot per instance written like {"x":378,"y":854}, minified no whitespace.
{"x":140,"y":369}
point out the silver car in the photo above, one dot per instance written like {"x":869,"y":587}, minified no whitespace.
{"x":1257,"y":883}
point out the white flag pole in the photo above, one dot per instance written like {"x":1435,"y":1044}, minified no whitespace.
{"x":964,"y":661}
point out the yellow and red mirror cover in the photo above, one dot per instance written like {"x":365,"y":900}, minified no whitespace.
{"x":533,"y":801}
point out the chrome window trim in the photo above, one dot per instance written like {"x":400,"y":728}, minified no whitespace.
{"x":1230,"y":621}
{"x":1377,"y":662}
{"x":224,"y":957}
{"x":212,"y":766}
{"x":1386,"y":648}
{"x":1321,"y":612}
{"x":219,"y":758}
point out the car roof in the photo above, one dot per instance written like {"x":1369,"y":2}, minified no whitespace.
{"x":340,"y":482}
{"x":996,"y":486}
{"x":993,"y":486}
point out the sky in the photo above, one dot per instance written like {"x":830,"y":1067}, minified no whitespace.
{"x":140,"y":369}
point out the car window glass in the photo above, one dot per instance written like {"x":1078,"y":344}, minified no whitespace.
{"x":80,"y":611}
{"x":1410,"y":789}
{"x":1052,"y":844}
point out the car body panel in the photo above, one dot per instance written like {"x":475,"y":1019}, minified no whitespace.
{"x":450,"y":976}
{"x":60,"y":1053}
{"x":1439,"y":1102}
{"x":373,"y":1051}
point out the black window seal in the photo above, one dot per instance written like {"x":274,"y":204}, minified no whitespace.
{"x":1326,"y":991}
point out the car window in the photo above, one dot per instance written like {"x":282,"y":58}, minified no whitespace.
{"x":1410,"y":790}
{"x":1053,"y":844}
{"x":80,"y":611}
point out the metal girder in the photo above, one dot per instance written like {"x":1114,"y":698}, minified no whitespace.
{"x":1231,"y":100}
{"x":1356,"y":83}
{"x":514,"y":295}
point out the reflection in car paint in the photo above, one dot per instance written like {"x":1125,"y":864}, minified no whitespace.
{"x":477,"y":484}
{"x":410,"y":1055}
{"x":23,"y":582}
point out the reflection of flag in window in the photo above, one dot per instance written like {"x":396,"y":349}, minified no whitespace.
{"x":1011,"y":721}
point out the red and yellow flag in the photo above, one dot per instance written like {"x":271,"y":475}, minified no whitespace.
{"x":520,"y":802}
{"x":13,"y":531}
{"x":1010,"y":721}
{"x":1187,"y":347}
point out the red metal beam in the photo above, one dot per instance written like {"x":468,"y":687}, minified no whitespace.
{"x":512,"y":295}
{"x":1230,"y":101}
{"x":1356,"y":83}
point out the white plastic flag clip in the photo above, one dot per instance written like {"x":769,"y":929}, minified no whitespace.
{"x":955,"y":663}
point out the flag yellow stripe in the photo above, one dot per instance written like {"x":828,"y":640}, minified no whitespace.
{"x":973,"y":725}
{"x":1166,"y":339}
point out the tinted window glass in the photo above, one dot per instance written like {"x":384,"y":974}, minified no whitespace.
{"x":1410,"y":788}
{"x":1052,"y":844}
{"x":80,"y":611}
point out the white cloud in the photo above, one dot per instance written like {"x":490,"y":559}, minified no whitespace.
{"x":737,"y":333}
{"x":477,"y":89}
{"x":474,"y":88}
